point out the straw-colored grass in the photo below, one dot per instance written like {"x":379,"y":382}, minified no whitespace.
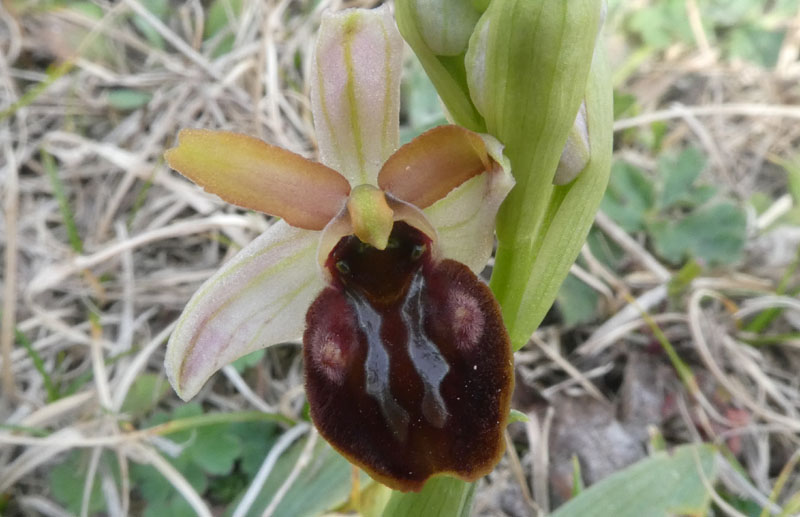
{"x":103,"y":245}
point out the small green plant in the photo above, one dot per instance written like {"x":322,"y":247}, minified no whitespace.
{"x":682,"y":217}
{"x":219,"y":461}
{"x":741,"y":29}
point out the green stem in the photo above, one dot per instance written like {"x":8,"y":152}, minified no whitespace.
{"x":173,"y":426}
{"x":441,"y":496}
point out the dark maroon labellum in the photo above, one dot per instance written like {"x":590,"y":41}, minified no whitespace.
{"x":408,"y":364}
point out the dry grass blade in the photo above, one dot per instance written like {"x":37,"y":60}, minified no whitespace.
{"x":551,"y":352}
{"x":264,"y":471}
{"x":730,"y":110}
{"x":11,"y":207}
{"x":538,"y":438}
{"x":32,"y":458}
{"x":734,"y":387}
{"x":306,"y":455}
{"x":49,"y":278}
{"x":175,"y":478}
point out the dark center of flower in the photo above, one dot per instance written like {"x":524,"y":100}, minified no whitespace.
{"x":408,"y":366}
{"x":381,"y":276}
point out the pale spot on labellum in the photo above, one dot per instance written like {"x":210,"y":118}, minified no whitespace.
{"x":330,"y":355}
{"x":467,"y":319}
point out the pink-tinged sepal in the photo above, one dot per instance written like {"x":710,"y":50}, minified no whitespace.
{"x":256,"y":299}
{"x":408,"y":366}
{"x":355,"y":91}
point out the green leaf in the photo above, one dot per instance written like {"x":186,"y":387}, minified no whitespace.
{"x":155,"y":488}
{"x":214,"y":449}
{"x":625,"y":105}
{"x":700,"y":195}
{"x":649,"y":23}
{"x":660,"y":486}
{"x":374,"y":499}
{"x":577,"y":477}
{"x":716,"y":232}
{"x":224,"y":489}
{"x":681,"y":281}
{"x":746,"y":506}
{"x":52,"y":171}
{"x":630,"y":195}
{"x":159,"y":8}
{"x":257,"y":439}
{"x":38,"y":363}
{"x":67,"y":480}
{"x":150,"y":484}
{"x":249,"y":360}
{"x":730,"y":13}
{"x":222,"y":16}
{"x":323,"y":485}
{"x":177,"y":506}
{"x":792,"y":168}
{"x":679,"y":174}
{"x":760,"y":201}
{"x":662,"y":24}
{"x":421,"y":104}
{"x":441,"y":496}
{"x":667,"y":242}
{"x":125,"y":99}
{"x":192,"y":409}
{"x":577,"y":302}
{"x":528,"y":66}
{"x":755,"y":44}
{"x":88,"y":9}
{"x":605,"y":250}
{"x":146,"y":392}
{"x":713,"y":233}
{"x":517,"y":416}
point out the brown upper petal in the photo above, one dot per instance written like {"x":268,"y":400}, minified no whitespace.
{"x":426,"y":169}
{"x":252,"y":174}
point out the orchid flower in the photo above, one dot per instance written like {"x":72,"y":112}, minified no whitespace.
{"x":374,"y":261}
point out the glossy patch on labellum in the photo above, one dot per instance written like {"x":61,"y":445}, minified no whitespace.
{"x":408,"y":364}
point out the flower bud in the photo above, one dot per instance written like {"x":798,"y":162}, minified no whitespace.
{"x":446,"y":25}
{"x":438,"y":31}
{"x":577,"y":150}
